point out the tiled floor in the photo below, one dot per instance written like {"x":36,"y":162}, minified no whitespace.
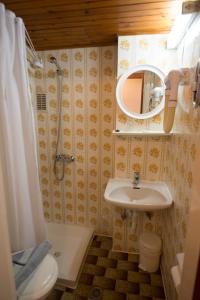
{"x":116,"y":273}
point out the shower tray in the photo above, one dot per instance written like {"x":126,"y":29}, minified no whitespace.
{"x":69,"y":247}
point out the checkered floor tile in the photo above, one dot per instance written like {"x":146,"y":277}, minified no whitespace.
{"x":115,"y":273}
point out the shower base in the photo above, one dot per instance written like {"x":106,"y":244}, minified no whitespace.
{"x":69,"y":247}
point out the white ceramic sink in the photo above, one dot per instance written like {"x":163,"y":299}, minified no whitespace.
{"x":149,"y":195}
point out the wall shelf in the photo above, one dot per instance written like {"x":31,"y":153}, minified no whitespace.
{"x":140,"y":133}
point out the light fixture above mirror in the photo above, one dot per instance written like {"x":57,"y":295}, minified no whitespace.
{"x":140,"y":92}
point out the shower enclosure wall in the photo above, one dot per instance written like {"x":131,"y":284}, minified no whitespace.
{"x":87,"y":120}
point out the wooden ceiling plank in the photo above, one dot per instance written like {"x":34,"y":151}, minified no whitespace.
{"x":59,"y":26}
{"x":73,"y":23}
{"x":55,"y":19}
{"x":82,"y":5}
{"x":63,"y":11}
{"x":98,"y":28}
{"x":68,"y":23}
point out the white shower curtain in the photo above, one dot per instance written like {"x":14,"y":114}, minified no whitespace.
{"x":17,"y":140}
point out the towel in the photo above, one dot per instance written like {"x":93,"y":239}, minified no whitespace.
{"x":22,"y":257}
{"x":27,"y":261}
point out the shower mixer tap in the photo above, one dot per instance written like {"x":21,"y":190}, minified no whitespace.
{"x":136,"y":180}
{"x":65,"y":158}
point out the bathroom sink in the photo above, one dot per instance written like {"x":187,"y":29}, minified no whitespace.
{"x":148,"y":196}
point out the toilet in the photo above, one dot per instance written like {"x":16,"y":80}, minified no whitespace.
{"x":42,"y":281}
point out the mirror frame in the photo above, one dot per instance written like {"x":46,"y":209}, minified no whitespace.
{"x":121,"y":82}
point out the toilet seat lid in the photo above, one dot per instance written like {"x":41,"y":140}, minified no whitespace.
{"x":43,"y":279}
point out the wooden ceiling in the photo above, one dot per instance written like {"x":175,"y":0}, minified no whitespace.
{"x":56,"y":24}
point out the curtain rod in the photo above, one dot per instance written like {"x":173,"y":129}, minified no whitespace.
{"x":35,"y":61}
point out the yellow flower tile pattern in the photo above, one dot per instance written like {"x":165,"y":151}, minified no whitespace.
{"x":133,"y":154}
{"x":178,"y":172}
{"x":88,"y":117}
{"x":179,"y":161}
{"x":143,"y":154}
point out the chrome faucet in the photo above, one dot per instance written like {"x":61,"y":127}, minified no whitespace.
{"x":136,"y":180}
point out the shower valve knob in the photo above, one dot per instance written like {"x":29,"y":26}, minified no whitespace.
{"x":69,"y":158}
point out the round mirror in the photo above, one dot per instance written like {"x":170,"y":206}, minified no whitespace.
{"x":140,"y":92}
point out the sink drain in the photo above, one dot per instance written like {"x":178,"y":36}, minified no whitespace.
{"x":57,"y":254}
{"x":95,"y":294}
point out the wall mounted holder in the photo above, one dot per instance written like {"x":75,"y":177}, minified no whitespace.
{"x":196,"y":90}
{"x":172,"y":81}
{"x":189,"y":7}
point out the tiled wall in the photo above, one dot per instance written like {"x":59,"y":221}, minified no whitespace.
{"x":88,"y":117}
{"x":179,"y":151}
{"x":144,"y":154}
{"x":141,"y":153}
{"x":180,"y":159}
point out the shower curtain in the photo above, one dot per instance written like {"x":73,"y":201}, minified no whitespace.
{"x":17,"y":139}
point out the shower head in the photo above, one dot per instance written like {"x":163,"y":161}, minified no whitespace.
{"x":53,"y":60}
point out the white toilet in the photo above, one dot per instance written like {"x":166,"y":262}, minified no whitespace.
{"x":42,"y":281}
